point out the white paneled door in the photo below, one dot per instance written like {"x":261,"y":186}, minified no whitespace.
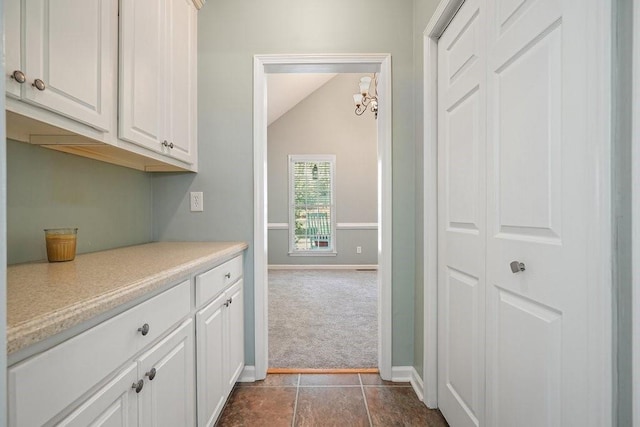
{"x":517,"y":192}
{"x":539,"y":197}
{"x":461,"y":217}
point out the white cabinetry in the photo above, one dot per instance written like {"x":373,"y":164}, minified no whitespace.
{"x":155,"y":391}
{"x":62,"y":56}
{"x":181,"y":109}
{"x":220,"y":337}
{"x":62,"y":375}
{"x":167,"y":398}
{"x":115,"y":404}
{"x":140,"y":367}
{"x":234,"y":328}
{"x":113,"y":84}
{"x":212,"y":389}
{"x":12,"y":43}
{"x":158,"y":76}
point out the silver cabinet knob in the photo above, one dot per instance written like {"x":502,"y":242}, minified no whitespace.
{"x":227,"y":302}
{"x":138,"y":386}
{"x":151,"y":374}
{"x":516,"y":266}
{"x":230,"y":300}
{"x":144,"y":330}
{"x":19,"y":76}
{"x":39,"y":84}
{"x":171,"y":145}
{"x":165,"y":143}
{"x":228,"y":275}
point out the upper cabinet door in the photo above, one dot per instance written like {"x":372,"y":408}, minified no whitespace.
{"x":70,"y":54}
{"x":158,"y":76}
{"x":182,"y":69}
{"x":142,"y":62}
{"x":12,"y":42}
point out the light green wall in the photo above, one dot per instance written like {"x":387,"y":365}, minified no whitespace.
{"x":230,"y":33}
{"x":324,"y":123}
{"x":110,"y":205}
{"x":622,"y":265}
{"x":423,"y":10}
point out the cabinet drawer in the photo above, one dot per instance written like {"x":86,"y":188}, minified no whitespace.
{"x":43,"y":385}
{"x":214,"y":281}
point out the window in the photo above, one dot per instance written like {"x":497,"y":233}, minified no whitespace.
{"x":311,"y":205}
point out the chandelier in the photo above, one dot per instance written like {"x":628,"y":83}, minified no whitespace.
{"x":368,"y":96}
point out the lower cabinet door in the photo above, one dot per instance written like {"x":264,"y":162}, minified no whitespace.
{"x":235,"y":331}
{"x":167,"y":369}
{"x":114,"y":405}
{"x":212,"y":390}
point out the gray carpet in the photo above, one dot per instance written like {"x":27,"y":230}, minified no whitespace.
{"x":323,"y":319}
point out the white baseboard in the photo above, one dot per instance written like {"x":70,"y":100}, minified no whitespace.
{"x":323,"y":267}
{"x":248,"y":375}
{"x":408,"y":374}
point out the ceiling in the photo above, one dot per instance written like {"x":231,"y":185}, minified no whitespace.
{"x":286,"y":90}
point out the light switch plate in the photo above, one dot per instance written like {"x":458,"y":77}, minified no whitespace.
{"x":196,"y":201}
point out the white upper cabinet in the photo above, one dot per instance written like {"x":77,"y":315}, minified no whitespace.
{"x":182,"y":68}
{"x":158,"y":76}
{"x":62,"y":56}
{"x":141,"y":66}
{"x":113,"y":80}
{"x":13,"y":58}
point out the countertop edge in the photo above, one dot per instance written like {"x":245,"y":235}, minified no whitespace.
{"x":41,"y":327}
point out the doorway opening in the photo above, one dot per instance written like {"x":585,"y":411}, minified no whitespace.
{"x":322,"y":229}
{"x":273,"y":64}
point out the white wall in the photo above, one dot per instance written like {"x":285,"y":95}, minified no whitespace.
{"x":325,"y":123}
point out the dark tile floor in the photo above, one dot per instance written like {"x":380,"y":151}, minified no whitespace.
{"x":326,"y":400}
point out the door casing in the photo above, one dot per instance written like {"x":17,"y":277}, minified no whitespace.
{"x":322,"y":63}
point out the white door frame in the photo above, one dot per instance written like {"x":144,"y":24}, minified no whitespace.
{"x":331,"y":63}
{"x":598,"y":289}
{"x":437,"y":24}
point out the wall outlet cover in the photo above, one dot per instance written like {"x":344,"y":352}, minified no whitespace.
{"x":196,"y":201}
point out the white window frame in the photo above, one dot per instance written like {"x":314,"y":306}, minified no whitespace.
{"x":332,"y":249}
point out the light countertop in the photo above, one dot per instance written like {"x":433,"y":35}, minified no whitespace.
{"x":44,"y":299}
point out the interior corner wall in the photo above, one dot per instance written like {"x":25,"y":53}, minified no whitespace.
{"x":230,"y":33}
{"x":325,"y":123}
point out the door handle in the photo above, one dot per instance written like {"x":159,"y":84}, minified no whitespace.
{"x":517,"y":266}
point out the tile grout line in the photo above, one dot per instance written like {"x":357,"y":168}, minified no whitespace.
{"x":364,"y":397}
{"x":295,"y":404}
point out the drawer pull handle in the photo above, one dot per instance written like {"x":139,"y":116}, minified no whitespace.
{"x":19,"y":76}
{"x":144,"y":330}
{"x":39,"y":84}
{"x":228,"y":275}
{"x":138,"y":386}
{"x":151,"y":374}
